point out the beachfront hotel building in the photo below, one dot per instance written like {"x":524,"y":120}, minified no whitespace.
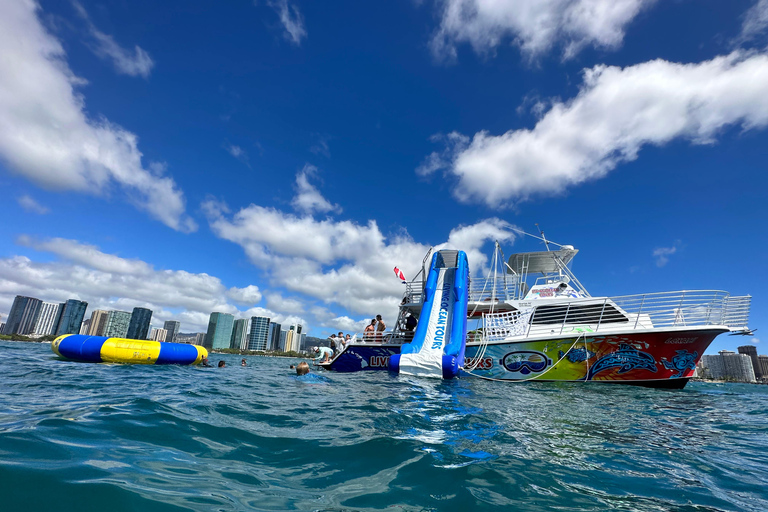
{"x":173,"y":327}
{"x":98,"y":323}
{"x":117,"y":324}
{"x":283,"y":336}
{"x":257,"y":338}
{"x":49,"y":318}
{"x":274,"y":336}
{"x":239,"y":340}
{"x":729,"y":365}
{"x":751,"y":351}
{"x":219,"y":331}
{"x":158,"y":334}
{"x":23,"y":315}
{"x":138,"y":329}
{"x":85,"y":327}
{"x":72,"y":317}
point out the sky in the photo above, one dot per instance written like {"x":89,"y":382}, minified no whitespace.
{"x":279,"y":157}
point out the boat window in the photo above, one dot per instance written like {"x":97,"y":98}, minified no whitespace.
{"x":578,"y":314}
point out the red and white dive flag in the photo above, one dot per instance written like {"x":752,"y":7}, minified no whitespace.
{"x":399,"y":273}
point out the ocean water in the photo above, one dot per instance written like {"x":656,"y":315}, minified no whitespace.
{"x":76,"y":436}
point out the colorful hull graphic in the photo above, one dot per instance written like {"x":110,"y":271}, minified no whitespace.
{"x":659,"y":359}
{"x":99,"y":349}
{"x":655,"y":358}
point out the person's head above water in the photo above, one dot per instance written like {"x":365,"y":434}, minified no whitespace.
{"x":302,"y":368}
{"x":222,"y":364}
{"x":243,"y":363}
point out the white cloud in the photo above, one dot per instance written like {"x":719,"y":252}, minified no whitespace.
{"x":308,"y":199}
{"x":662,"y":255}
{"x":755,"y":340}
{"x":341,"y":262}
{"x":46,"y":136}
{"x":755,"y":21}
{"x":277,"y":302}
{"x":107,"y":281}
{"x":248,"y":295}
{"x":534,"y":25}
{"x":32,"y":206}
{"x":291,"y":18}
{"x":135,"y":63}
{"x":616,"y":113}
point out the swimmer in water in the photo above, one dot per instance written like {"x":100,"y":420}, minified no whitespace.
{"x":222,"y":364}
{"x":242,"y":363}
{"x":302,"y":368}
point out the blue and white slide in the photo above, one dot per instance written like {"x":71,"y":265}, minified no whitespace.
{"x":437,"y":349}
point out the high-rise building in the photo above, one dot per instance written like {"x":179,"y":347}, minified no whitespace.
{"x":85,"y":327}
{"x":290,"y":339}
{"x":98,"y":323}
{"x":283,"y":336}
{"x":117,"y":324}
{"x":751,"y":351}
{"x":172,"y":326}
{"x":274,"y":336}
{"x":72,"y":317}
{"x":729,"y":365}
{"x":219,"y":330}
{"x":23,"y":316}
{"x":200,"y":338}
{"x":303,"y":343}
{"x":239,"y":339}
{"x":257,"y":339}
{"x":138,"y":329}
{"x":158,"y":334}
{"x":49,"y":318}
{"x":763,"y":362}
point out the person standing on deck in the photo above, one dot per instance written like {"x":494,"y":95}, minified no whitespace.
{"x":380,"y":326}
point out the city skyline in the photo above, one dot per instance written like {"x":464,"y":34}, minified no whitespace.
{"x":321,"y":151}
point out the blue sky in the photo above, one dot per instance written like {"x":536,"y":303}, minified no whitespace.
{"x":279,"y":157}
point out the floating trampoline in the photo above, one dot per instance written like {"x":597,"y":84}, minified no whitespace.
{"x":100,"y":349}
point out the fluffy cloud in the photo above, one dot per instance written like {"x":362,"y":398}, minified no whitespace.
{"x":615,"y":114}
{"x":136,"y":63}
{"x":248,"y":295}
{"x":534,"y":25}
{"x":308,"y":199}
{"x":46,"y":136}
{"x":341,"y":262}
{"x":291,"y":18}
{"x":32,"y":206}
{"x":107,"y":281}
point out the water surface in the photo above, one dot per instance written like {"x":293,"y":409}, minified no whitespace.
{"x":76,"y":436}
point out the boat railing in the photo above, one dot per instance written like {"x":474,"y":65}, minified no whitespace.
{"x":480,"y":290}
{"x":629,"y":312}
{"x":386,"y":337}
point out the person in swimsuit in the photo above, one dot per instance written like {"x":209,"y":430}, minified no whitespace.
{"x":380,"y":326}
{"x":369,"y":330}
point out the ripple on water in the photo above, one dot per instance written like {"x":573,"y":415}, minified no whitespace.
{"x":93,"y":437}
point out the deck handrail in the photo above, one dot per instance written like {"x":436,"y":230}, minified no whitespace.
{"x":629,"y":312}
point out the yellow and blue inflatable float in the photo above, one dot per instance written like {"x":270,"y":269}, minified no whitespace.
{"x":100,"y":349}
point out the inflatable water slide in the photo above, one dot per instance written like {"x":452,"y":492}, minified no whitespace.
{"x":437,"y":349}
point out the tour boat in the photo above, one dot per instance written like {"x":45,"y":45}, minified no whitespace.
{"x":531,"y":319}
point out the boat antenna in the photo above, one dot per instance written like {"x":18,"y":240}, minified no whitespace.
{"x":546,"y":242}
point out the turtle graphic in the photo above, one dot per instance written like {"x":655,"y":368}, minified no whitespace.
{"x":684,"y":360}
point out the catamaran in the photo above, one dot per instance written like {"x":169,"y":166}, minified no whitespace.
{"x":531,"y":319}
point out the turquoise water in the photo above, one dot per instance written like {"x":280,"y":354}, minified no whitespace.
{"x":81,"y":437}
